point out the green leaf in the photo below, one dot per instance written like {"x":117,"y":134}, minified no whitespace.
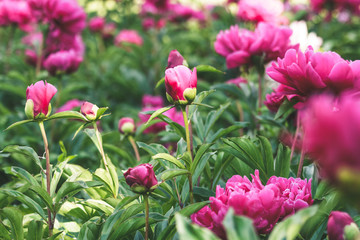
{"x":79,"y":129}
{"x":289,"y":228}
{"x":199,"y":154}
{"x":201,"y":104}
{"x":19,"y":123}
{"x":91,"y":229}
{"x":267,"y":156}
{"x":198,"y":99}
{"x":239,"y":227}
{"x":285,"y":109}
{"x":114,"y":178}
{"x":43,"y":195}
{"x":171,"y":173}
{"x":189,"y":231}
{"x":282,"y":162}
{"x":213,"y":116}
{"x":35,"y":230}
{"x":4,"y":233}
{"x":222,"y":132}
{"x":190,"y":209}
{"x":160,"y":82}
{"x":67,"y":115}
{"x":208,"y":68}
{"x":169,"y":158}
{"x":105,"y":177}
{"x":15,"y":217}
{"x":158,"y":112}
{"x":99,"y":205}
{"x":23,"y":150}
{"x":180,"y":130}
{"x":22,"y":174}
{"x":100,"y":112}
{"x":92,"y":135}
{"x":58,"y":171}
{"x":25,"y":200}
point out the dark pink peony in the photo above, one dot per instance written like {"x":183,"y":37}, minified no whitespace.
{"x":16,"y":12}
{"x":38,"y":98}
{"x":65,"y":15}
{"x":352,"y":6}
{"x":175,"y":59}
{"x":89,"y":110}
{"x":97,"y":24}
{"x":180,"y":13}
{"x":57,"y":40}
{"x":152,"y":101}
{"x":141,"y":178}
{"x":240,"y":46}
{"x":126,"y":125}
{"x":303,"y":74}
{"x":260,"y":10}
{"x":332,"y":133}
{"x":62,"y":62}
{"x":336,"y":224}
{"x":128,"y":36}
{"x":70,"y":105}
{"x":237,"y":81}
{"x":180,"y":83}
{"x":295,"y":192}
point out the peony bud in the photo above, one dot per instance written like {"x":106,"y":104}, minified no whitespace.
{"x":180,"y":83}
{"x":89,"y":110}
{"x":126,"y":125}
{"x":337,"y":223}
{"x":141,"y":178}
{"x":38,"y":97}
{"x":175,"y":59}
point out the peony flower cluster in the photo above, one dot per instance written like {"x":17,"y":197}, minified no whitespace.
{"x":265,"y":205}
{"x":352,"y":6}
{"x":261,"y":11}
{"x":332,"y":133}
{"x":62,"y":50}
{"x":99,"y":25}
{"x":152,"y":103}
{"x":303,"y":74}
{"x":16,"y":12}
{"x":241,"y":46}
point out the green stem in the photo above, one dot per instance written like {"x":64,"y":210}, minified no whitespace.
{"x":48,"y":173}
{"x":146,"y":201}
{"x":101,"y":149}
{"x":301,"y":163}
{"x":191,"y":189}
{"x":133,"y":144}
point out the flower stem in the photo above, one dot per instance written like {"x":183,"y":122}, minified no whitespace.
{"x":133,"y":144}
{"x":241,"y":115}
{"x":186,"y":122}
{"x":295,"y":137}
{"x":177,"y":193}
{"x":48,"y":173}
{"x":146,"y":201}
{"x":301,"y":163}
{"x":101,"y":149}
{"x":260,"y":91}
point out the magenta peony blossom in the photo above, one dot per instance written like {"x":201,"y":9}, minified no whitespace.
{"x":128,"y":36}
{"x":141,"y":178}
{"x":237,"y":81}
{"x":175,"y":59}
{"x":38,"y":98}
{"x":336,"y":224}
{"x":65,"y":15}
{"x":62,"y":62}
{"x":180,"y":13}
{"x":89,"y":110}
{"x":180,"y":83}
{"x":260,"y":10}
{"x":352,"y":6}
{"x":238,"y":46}
{"x":96,"y":24}
{"x":152,"y":101}
{"x":295,"y":192}
{"x":332,"y":133}
{"x":261,"y":203}
{"x":126,"y":125}
{"x":70,"y":105}
{"x":303,"y":74}
{"x":16,"y":12}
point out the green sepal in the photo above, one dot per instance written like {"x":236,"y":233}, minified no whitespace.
{"x":29,"y":109}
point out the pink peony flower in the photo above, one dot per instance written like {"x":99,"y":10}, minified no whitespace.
{"x":337,"y":223}
{"x":260,"y":10}
{"x":108,"y":30}
{"x":304,"y":74}
{"x":128,"y":36}
{"x":239,"y":46}
{"x":332,"y":133}
{"x":89,"y":110}
{"x":65,"y":15}
{"x":16,"y":12}
{"x":295,"y":192}
{"x":38,"y":98}
{"x":152,"y":101}
{"x":58,"y":40}
{"x":340,"y":5}
{"x":70,"y":105}
{"x":175,"y":59}
{"x":261,"y":203}
{"x":126,"y":125}
{"x":180,"y":83}
{"x":237,"y":81}
{"x":141,"y":178}
{"x":62,"y":62}
{"x":180,"y":13}
{"x":96,"y":24}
